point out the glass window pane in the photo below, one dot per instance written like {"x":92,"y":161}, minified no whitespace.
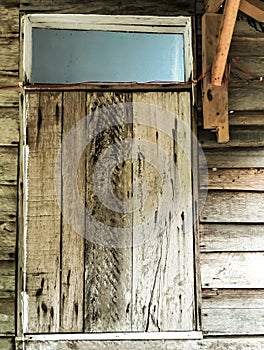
{"x":72,"y":56}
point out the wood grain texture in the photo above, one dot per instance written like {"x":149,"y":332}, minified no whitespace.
{"x":108,"y":259}
{"x":7,"y":343}
{"x":231,"y":238}
{"x":252,"y":343}
{"x":43,"y":219}
{"x":232,"y":270}
{"x":244,"y":96}
{"x":7,"y":297}
{"x":239,"y":137}
{"x":223,"y":308}
{"x":163,"y":276}
{"x":241,"y":118}
{"x":8,"y":165}
{"x":235,"y":158}
{"x":7,"y":240}
{"x":9,"y":125}
{"x":9,"y":53}
{"x":8,"y":198}
{"x":9,"y":18}
{"x":233,"y":179}
{"x":243,"y":45}
{"x":8,"y":97}
{"x":72,"y":255}
{"x":233,"y":207}
{"x":146,"y":7}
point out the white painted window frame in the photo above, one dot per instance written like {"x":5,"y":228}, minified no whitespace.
{"x":145,"y":24}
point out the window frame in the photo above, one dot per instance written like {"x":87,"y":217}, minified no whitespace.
{"x":120,"y":23}
{"x":150,"y":24}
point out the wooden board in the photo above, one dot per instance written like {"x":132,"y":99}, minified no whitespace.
{"x":8,"y":97}
{"x":72,"y":244}
{"x":43,"y":219}
{"x":233,"y":206}
{"x":243,"y":45}
{"x":241,"y":118}
{"x":215,"y":98}
{"x":239,"y":137}
{"x":9,"y":53}
{"x":222,"y":310}
{"x":108,"y":258}
{"x":9,"y":18}
{"x":163,"y":265}
{"x":8,"y":165}
{"x":7,"y":240}
{"x":243,"y":97}
{"x":231,"y":237}
{"x":233,"y":179}
{"x":252,"y":343}
{"x":232,"y":270}
{"x":235,"y":158}
{"x":111,"y":7}
{"x":7,"y":343}
{"x":7,"y":297}
{"x":8,"y":204}
{"x":9,"y":125}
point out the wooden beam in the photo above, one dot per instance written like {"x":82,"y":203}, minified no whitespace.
{"x":226,"y":32}
{"x":215,"y":98}
{"x":213,"y":5}
{"x":253,"y":8}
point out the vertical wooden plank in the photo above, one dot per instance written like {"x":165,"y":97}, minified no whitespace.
{"x":72,"y":258}
{"x":43,"y":216}
{"x":163,"y":265}
{"x":108,"y":228}
{"x":215,"y":98}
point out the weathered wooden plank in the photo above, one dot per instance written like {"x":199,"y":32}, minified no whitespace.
{"x":231,"y":237}
{"x":9,"y":125}
{"x":72,"y":255}
{"x":235,"y":158}
{"x":246,"y":343}
{"x":9,"y":53}
{"x":232,"y":270}
{"x":8,"y":196}
{"x":7,"y":279}
{"x":113,"y":7}
{"x":252,"y":67}
{"x":212,"y":5}
{"x":7,"y":343}
{"x":234,"y":206}
{"x":239,"y":137}
{"x":241,"y":118}
{"x":163,"y":276}
{"x":243,"y":45}
{"x":7,"y":240}
{"x":244,"y":96}
{"x":253,"y":8}
{"x":233,"y":311}
{"x":8,"y":165}
{"x":7,"y":316}
{"x":214,"y":98}
{"x":43,"y":219}
{"x":8,"y":97}
{"x":108,"y":258}
{"x":233,"y":179}
{"x":225,"y":36}
{"x":242,"y":27}
{"x":9,"y":18}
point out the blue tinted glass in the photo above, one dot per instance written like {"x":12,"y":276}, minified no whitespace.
{"x":72,"y":56}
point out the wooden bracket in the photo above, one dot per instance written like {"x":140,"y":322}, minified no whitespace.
{"x":225,"y":37}
{"x":215,"y":98}
{"x":253,"y":8}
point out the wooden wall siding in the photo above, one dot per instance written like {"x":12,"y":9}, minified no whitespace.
{"x":126,"y":289}
{"x":147,"y":7}
{"x":228,"y":343}
{"x":8,"y":166}
{"x":44,"y":118}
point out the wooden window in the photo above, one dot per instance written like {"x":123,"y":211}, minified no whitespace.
{"x":108,"y":236}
